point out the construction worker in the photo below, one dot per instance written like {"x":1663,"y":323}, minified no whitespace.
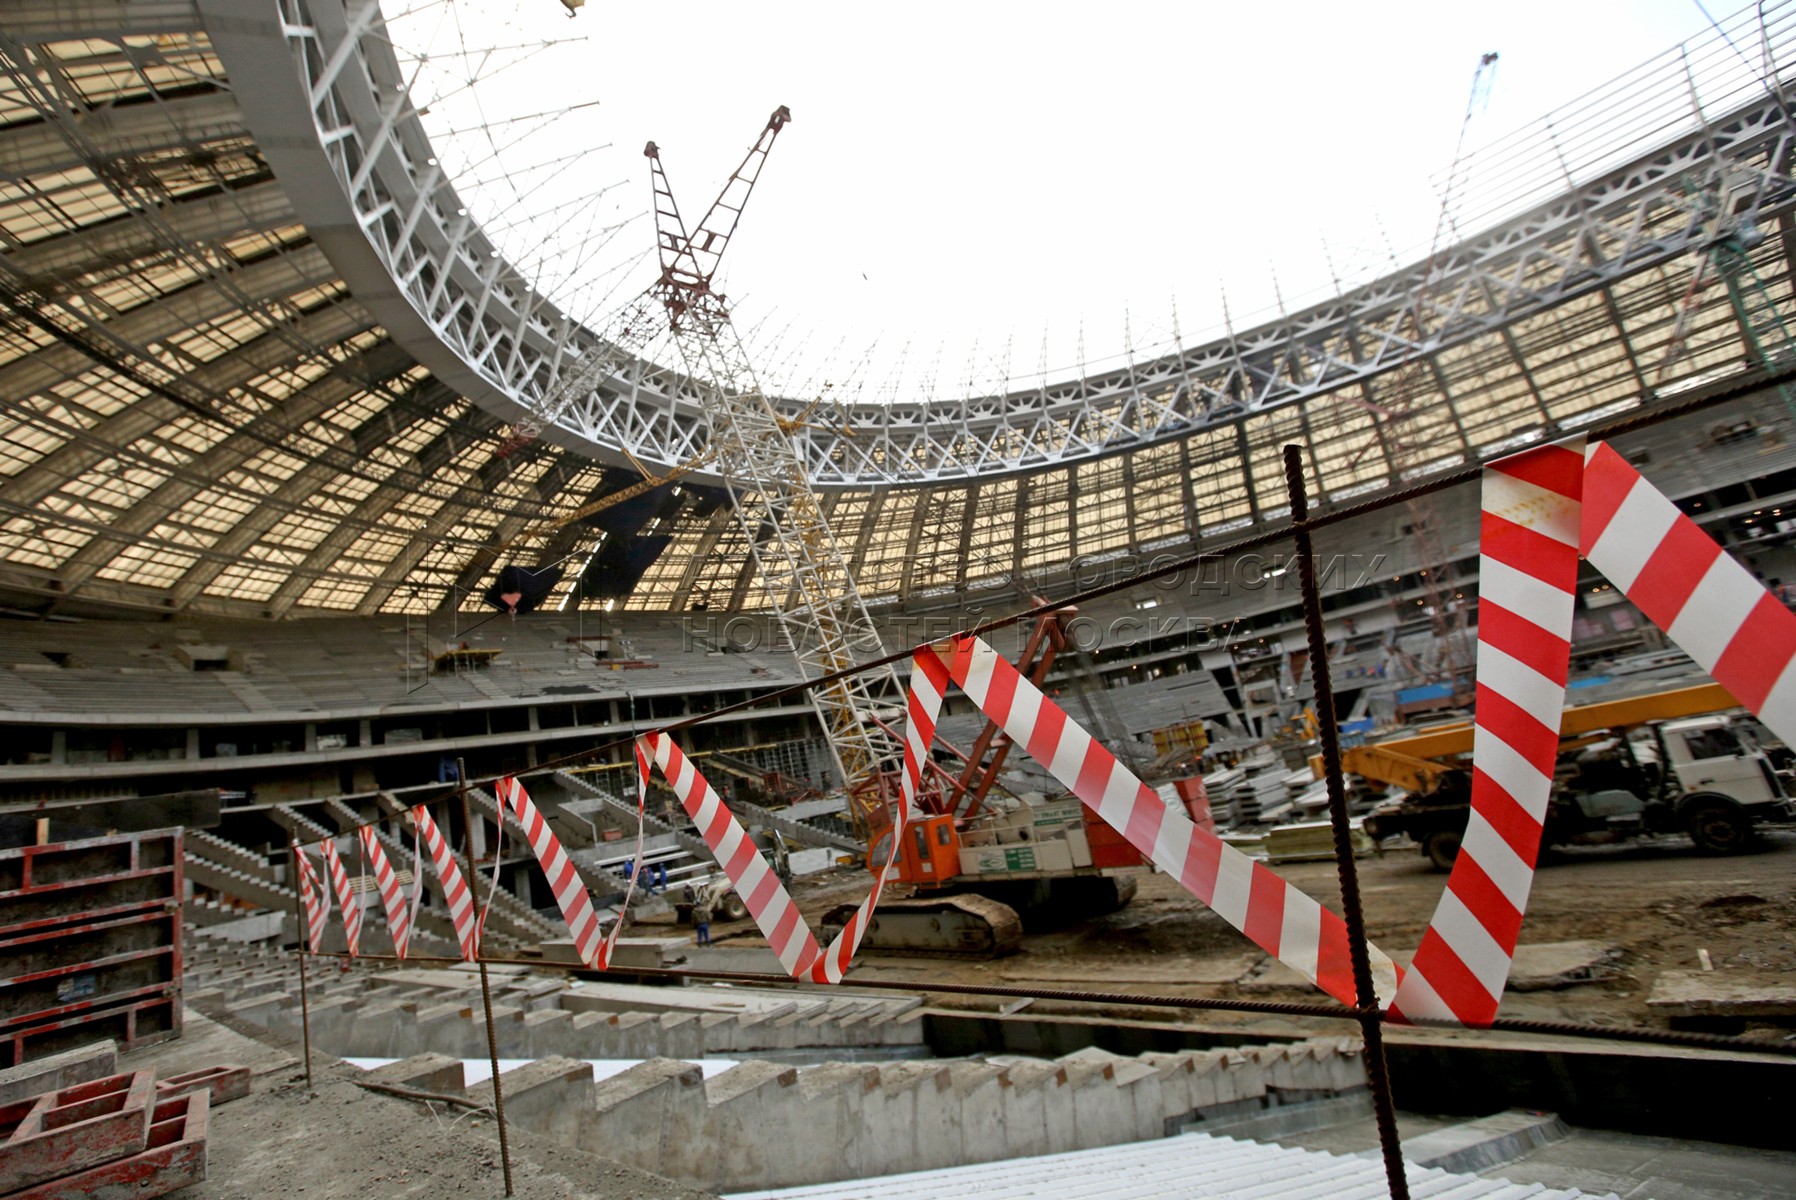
{"x":701,"y":918}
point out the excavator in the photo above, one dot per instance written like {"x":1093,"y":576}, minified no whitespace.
{"x":978,"y":864}
{"x":1660,"y":763}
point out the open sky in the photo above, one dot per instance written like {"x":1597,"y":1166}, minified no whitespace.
{"x":975,"y":193}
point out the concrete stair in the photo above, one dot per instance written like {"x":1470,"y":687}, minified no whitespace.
{"x":804,"y":832}
{"x":378,"y":1011}
{"x":228,"y":853}
{"x":509,"y":917}
{"x":695,"y":857}
{"x":691,"y":843}
{"x":301,"y":826}
{"x":239,"y":885}
{"x":433,"y":922}
{"x":199,"y":912}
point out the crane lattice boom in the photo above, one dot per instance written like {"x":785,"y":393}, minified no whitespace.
{"x":806,"y":576}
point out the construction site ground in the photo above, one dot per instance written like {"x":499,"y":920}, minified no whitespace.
{"x":337,"y":1141}
{"x":1655,"y":906}
{"x":1643,"y":910}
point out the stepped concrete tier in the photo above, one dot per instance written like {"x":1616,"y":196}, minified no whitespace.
{"x":1218,"y":1168}
{"x":510,"y":926}
{"x":365,"y":1012}
{"x":485,"y":805}
{"x":511,"y":923}
{"x":239,"y":885}
{"x":588,"y":797}
{"x":803,"y":832}
{"x":241,"y":876}
{"x":228,"y":853}
{"x":765,"y":1123}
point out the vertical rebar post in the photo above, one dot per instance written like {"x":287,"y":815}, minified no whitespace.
{"x":305,"y":945}
{"x":486,"y":987}
{"x":1377,"y":1071}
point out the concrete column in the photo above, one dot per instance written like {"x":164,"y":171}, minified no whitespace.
{"x":843,"y":1104}
{"x":422,"y":1072}
{"x":653,"y":1116}
{"x":756,"y":1122}
{"x":551,"y":1096}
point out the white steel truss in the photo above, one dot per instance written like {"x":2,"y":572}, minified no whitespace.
{"x":796,"y":556}
{"x":1575,"y":220}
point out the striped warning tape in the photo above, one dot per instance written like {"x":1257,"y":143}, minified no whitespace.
{"x":392,"y":897}
{"x":1702,"y":597}
{"x":347,"y":900}
{"x":455,"y":888}
{"x":564,"y":881}
{"x":1540,"y":508}
{"x":1282,"y":920}
{"x":1528,"y":575}
{"x":748,"y":870}
{"x":312,"y":898}
{"x":1288,"y":923}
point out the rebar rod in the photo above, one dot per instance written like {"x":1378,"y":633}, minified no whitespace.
{"x":486,"y":987}
{"x":1378,"y":1078}
{"x":305,"y":1005}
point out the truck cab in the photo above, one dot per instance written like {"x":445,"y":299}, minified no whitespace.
{"x":1712,"y":754}
{"x":1705,"y":776}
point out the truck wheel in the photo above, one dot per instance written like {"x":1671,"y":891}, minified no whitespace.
{"x":1442,"y":847}
{"x":1718,"y":827}
{"x":732,"y":908}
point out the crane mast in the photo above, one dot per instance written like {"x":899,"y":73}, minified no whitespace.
{"x":1407,"y":446}
{"x":806,"y":577}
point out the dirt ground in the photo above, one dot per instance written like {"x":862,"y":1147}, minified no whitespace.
{"x":1655,"y":904}
{"x":335,"y":1141}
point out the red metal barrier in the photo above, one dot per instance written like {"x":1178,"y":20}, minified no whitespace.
{"x":99,"y":954}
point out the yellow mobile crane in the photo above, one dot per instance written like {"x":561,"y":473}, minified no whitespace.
{"x":1664,"y":762}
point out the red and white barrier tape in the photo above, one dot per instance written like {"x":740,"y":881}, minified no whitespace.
{"x":1528,"y":576}
{"x":569,"y":889}
{"x":391,"y":897}
{"x":455,"y":888}
{"x":346,"y":899}
{"x":1702,"y":597}
{"x":1540,"y":509}
{"x":312,"y":898}
{"x":1283,"y":921}
{"x":749,"y":872}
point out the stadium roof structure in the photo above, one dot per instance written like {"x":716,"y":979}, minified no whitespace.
{"x":256,"y":361}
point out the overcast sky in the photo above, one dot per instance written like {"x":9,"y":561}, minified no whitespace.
{"x":999,"y":173}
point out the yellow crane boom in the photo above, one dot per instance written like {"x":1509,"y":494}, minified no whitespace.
{"x":1417,"y":762}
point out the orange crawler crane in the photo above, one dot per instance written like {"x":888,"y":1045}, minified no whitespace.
{"x":977,"y":867}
